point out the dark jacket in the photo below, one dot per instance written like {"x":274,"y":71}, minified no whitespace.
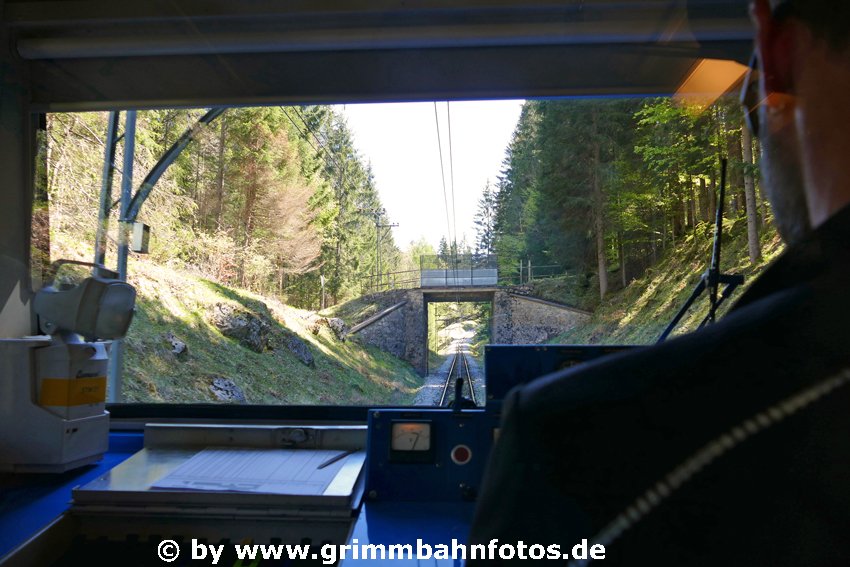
{"x":578,"y":448}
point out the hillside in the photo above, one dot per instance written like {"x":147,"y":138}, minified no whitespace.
{"x":639,"y":313}
{"x":175,"y":306}
{"x":176,"y":303}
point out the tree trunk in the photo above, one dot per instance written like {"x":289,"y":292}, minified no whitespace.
{"x":762,"y":198}
{"x":202,"y":217}
{"x":336,"y":268}
{"x":712,"y":199}
{"x":692,"y":205}
{"x":735,"y":178}
{"x":598,"y":213}
{"x":704,"y":201}
{"x":750,"y":192}
{"x":219,"y":195}
{"x":679,"y":216}
{"x":621,"y":249}
{"x":654,"y":235}
{"x":251,"y":192}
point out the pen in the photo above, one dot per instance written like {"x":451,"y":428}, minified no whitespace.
{"x":336,"y":458}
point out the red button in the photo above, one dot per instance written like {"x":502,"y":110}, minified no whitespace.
{"x":461,"y":454}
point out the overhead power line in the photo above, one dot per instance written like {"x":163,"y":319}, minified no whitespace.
{"x":452,"y":174}
{"x":317,"y":134}
{"x":442,"y":172}
{"x":324,"y":152}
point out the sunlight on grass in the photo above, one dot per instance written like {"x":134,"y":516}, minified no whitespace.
{"x":171,"y":301}
{"x":640,"y":312}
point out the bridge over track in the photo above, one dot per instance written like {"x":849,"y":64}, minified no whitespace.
{"x":460,"y":270}
{"x":402,"y":329}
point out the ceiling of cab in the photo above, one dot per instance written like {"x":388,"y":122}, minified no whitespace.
{"x":118,"y":53}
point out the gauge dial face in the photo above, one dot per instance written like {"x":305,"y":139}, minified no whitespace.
{"x":411,"y":437}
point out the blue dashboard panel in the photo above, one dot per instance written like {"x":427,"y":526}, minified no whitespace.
{"x":29,"y":502}
{"x":510,"y":365}
{"x":447,"y":468}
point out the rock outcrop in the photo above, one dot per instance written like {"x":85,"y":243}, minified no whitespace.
{"x":258,"y":333}
{"x":335,"y":324}
{"x":227,"y":391}
{"x":178,"y":347}
{"x":300,"y":350}
{"x":250,"y":330}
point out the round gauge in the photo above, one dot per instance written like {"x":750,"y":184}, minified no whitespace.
{"x":411,"y":437}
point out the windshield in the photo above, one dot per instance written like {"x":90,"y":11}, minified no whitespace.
{"x":355,"y":255}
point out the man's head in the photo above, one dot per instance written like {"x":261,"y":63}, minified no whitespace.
{"x":804,"y":53}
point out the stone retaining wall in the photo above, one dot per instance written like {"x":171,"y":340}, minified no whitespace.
{"x":516,"y":320}
{"x":525,"y":321}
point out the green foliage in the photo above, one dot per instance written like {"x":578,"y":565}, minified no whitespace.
{"x":411,"y":260}
{"x":485,"y":221}
{"x":639,"y":313}
{"x":274,"y":201}
{"x":601,"y":188}
{"x":271,"y":199}
{"x":451,"y":321}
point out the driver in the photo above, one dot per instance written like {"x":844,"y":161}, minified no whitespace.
{"x":728,"y":446}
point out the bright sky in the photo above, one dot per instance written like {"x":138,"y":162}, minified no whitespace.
{"x":400,"y":141}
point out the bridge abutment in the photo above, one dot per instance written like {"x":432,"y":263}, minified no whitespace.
{"x":416,"y":332}
{"x":516,"y":319}
{"x":525,"y":320}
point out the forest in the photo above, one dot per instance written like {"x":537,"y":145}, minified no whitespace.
{"x":275,"y":211}
{"x":274,"y":200}
{"x":602,"y":188}
{"x":278,"y":200}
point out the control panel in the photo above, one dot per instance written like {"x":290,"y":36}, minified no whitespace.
{"x":439,"y":455}
{"x":428,"y":455}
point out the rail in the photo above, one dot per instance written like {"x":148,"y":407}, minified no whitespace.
{"x":463,"y":374}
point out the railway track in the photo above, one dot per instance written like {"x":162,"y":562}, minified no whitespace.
{"x":458,"y":369}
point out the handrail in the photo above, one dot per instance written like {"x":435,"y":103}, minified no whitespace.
{"x":550,"y":303}
{"x":375,"y":318}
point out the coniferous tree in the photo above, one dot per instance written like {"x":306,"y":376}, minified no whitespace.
{"x":485,"y":221}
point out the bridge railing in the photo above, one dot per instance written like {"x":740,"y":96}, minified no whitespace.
{"x":406,"y":279}
{"x":524,"y":272}
{"x":463,"y":270}
{"x":438,"y":271}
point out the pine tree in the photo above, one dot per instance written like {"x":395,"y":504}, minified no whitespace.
{"x":485,"y":222}
{"x":444,"y":251}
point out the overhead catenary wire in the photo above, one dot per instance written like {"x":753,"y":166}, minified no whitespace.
{"x":451,"y":219}
{"x":324,"y":153}
{"x":316,"y":133}
{"x":442,"y":171}
{"x":454,"y":208}
{"x":333,"y":163}
{"x":303,"y":134}
{"x":452,"y":176}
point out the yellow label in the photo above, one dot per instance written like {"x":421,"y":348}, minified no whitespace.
{"x":72,"y":392}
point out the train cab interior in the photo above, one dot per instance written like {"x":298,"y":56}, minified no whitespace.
{"x":113,"y":482}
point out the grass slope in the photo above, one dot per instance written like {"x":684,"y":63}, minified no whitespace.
{"x":173,"y":301}
{"x":639,"y":313}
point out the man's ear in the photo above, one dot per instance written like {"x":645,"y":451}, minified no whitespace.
{"x":774,"y":40}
